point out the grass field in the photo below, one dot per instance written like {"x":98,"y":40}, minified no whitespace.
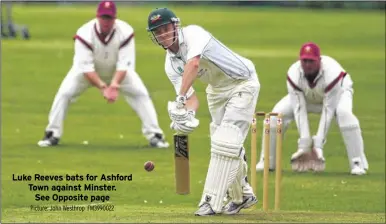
{"x":32,"y":71}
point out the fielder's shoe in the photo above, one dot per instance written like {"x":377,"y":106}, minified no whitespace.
{"x":205,"y":210}
{"x":48,"y":140}
{"x":260,"y":166}
{"x":357,"y":170}
{"x":158,"y":141}
{"x":232,"y":208}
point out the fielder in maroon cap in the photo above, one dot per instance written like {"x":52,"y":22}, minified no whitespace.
{"x":318,"y":84}
{"x":310,"y":60}
{"x":106,"y":14}
{"x":105,"y":59}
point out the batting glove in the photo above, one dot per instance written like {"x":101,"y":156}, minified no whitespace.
{"x":179,"y":115}
{"x":185,"y":128}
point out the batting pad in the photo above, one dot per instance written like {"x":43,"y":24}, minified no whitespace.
{"x":240,"y":187}
{"x":236,"y":188}
{"x":221,"y":174}
{"x":227,"y":140}
{"x":223,"y":166}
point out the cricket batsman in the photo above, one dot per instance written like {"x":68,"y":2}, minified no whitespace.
{"x":232,"y":92}
{"x":318,"y":84}
{"x":104,"y":58}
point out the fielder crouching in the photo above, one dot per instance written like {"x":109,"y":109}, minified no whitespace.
{"x":105,"y":58}
{"x":232,"y":92}
{"x":318,"y":84}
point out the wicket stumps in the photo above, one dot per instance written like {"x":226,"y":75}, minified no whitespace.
{"x":266,"y":139}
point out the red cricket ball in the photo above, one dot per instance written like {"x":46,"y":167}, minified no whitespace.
{"x":149,"y":166}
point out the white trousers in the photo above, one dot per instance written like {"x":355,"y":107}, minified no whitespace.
{"x":236,"y":107}
{"x":132,"y":89}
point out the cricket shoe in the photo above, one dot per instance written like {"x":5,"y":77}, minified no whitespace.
{"x":158,"y":141}
{"x":48,"y":140}
{"x":232,"y":208}
{"x":205,"y":210}
{"x":357,"y":170}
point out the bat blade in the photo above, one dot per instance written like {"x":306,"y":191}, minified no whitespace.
{"x":181,"y":158}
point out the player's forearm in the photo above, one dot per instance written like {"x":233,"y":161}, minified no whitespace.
{"x":324,"y":125}
{"x":118,"y":78}
{"x":302,"y":123}
{"x":301,"y":115}
{"x":190,"y":74}
{"x":94,"y":79}
{"x":328,"y":113}
{"x":192,"y":103}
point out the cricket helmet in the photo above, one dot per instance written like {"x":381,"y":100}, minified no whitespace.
{"x":159,"y":17}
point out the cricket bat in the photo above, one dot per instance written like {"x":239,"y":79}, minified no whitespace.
{"x":181,"y":159}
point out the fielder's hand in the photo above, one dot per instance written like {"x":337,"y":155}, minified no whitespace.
{"x":111,"y":93}
{"x":317,"y":161}
{"x":300,"y":160}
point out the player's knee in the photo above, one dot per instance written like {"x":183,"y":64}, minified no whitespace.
{"x":346,"y":118}
{"x":227,"y":140}
{"x":66,"y":94}
{"x":71,"y":88}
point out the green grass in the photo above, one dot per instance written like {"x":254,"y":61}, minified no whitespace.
{"x":33,"y":70}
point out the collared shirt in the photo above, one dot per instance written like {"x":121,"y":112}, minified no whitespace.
{"x":104,"y":55}
{"x":326,"y":90}
{"x":331,"y":74}
{"x":220,"y":67}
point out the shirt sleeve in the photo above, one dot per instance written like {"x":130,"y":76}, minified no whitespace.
{"x":331,"y":99}
{"x":299,"y":108}
{"x":83,"y":57}
{"x":126,"y":54}
{"x":176,"y":79}
{"x":197,"y":38}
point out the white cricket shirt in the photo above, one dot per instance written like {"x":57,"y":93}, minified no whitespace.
{"x":326,"y":90}
{"x":220,"y":67}
{"x":330,"y":75}
{"x":104,"y":56}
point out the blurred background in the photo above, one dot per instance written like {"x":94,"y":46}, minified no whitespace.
{"x":9,"y":29}
{"x":377,"y":5}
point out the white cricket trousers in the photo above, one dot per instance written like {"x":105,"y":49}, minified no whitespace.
{"x":132,"y":88}
{"x":236,"y":107}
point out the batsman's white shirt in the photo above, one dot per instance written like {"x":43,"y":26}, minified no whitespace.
{"x":322,"y":95}
{"x":226,"y":73}
{"x":104,"y":55}
{"x":221,"y":68}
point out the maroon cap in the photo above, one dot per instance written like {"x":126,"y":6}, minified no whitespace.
{"x":107,"y":8}
{"x":310,"y":51}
